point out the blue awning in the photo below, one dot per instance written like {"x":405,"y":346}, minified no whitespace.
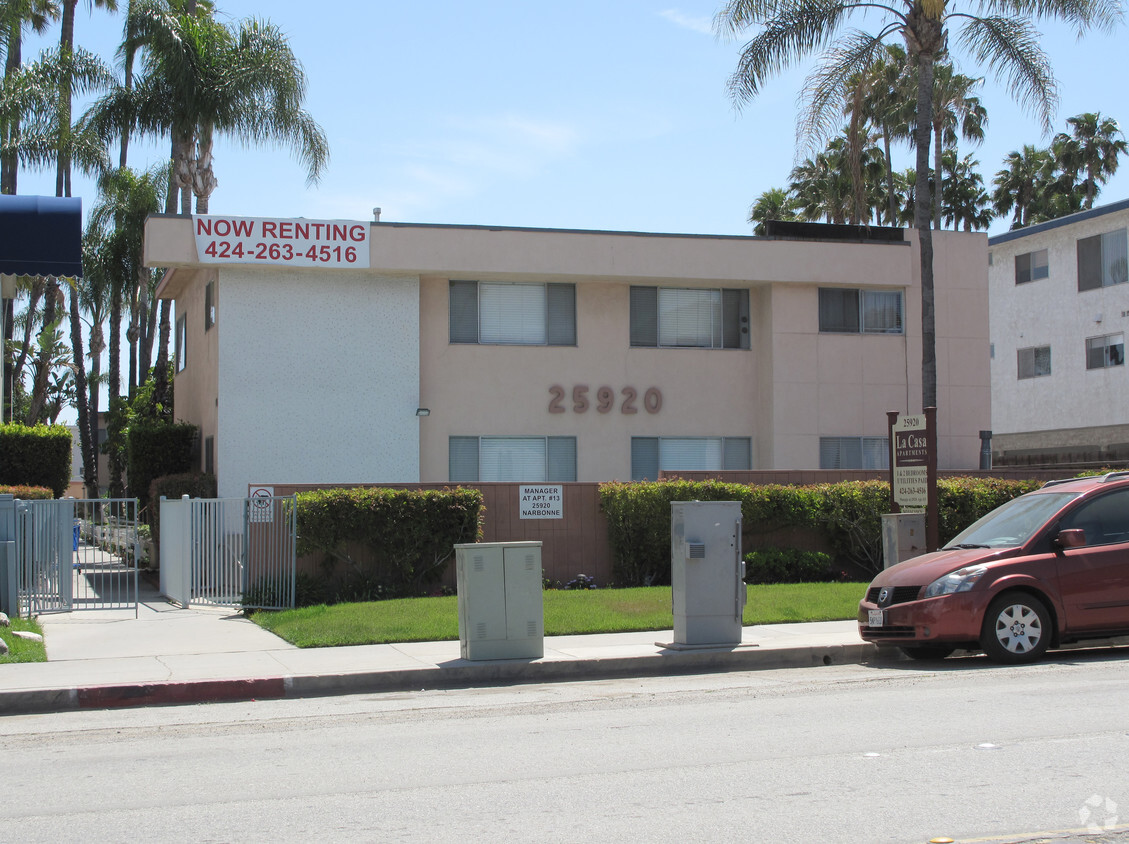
{"x":41,"y":235}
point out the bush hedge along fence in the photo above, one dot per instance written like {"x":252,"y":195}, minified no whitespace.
{"x":156,"y":449}
{"x":843,"y":520}
{"x":37,"y":456}
{"x":389,"y":542}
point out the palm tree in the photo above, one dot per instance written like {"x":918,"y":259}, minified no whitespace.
{"x":66,"y":86}
{"x":964,"y":201}
{"x":821,"y":186}
{"x":954,"y":108}
{"x":1094,"y":146}
{"x":200,"y":80}
{"x":1003,"y":36}
{"x":773,"y":204}
{"x":886,"y":105}
{"x":1018,"y":186}
{"x":15,"y":17}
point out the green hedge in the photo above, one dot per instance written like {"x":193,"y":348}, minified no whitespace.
{"x":192,"y":484}
{"x":36,"y":456}
{"x":789,"y":565}
{"x":27,"y":493}
{"x":391,"y":541}
{"x":156,"y":449}
{"x":844,"y":517}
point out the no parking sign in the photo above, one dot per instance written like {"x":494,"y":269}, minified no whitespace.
{"x":262,"y":504}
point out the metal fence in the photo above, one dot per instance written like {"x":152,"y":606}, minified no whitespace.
{"x":67,"y":554}
{"x":229,"y":552}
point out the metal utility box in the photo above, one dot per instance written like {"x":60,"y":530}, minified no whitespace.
{"x":500,"y":604}
{"x":903,"y":537}
{"x":707,"y":572}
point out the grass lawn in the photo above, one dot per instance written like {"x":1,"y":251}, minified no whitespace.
{"x":21,"y":650}
{"x":566,"y":612}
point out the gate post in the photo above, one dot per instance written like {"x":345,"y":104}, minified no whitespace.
{"x":9,"y":583}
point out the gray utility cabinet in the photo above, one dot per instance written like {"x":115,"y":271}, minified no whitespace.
{"x":501,"y":612}
{"x":707,"y":572}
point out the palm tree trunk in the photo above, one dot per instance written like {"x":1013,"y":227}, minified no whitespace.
{"x":922,"y":209}
{"x":66,"y":51}
{"x":9,"y":164}
{"x":937,"y":180}
{"x":891,"y":201}
{"x":86,"y":440}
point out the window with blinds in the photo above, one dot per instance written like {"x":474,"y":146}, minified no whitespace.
{"x":856,"y":311}
{"x":1103,"y":260}
{"x":503,"y":313}
{"x":512,"y":459}
{"x":854,"y":453}
{"x":696,"y":318}
{"x":650,"y":455}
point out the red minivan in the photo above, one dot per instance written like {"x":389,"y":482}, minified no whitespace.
{"x":1044,"y":569}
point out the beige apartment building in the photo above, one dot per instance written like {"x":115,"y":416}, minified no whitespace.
{"x":344,"y":352}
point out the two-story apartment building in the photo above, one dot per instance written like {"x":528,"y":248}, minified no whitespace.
{"x":1060,"y":309}
{"x":443,"y":353}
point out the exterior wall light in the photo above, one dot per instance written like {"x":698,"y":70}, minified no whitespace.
{"x":423,"y":411}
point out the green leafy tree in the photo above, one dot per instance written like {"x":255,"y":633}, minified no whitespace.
{"x":1019,"y":185}
{"x":955,"y":111}
{"x":773,"y":204}
{"x":1093,"y":147}
{"x":1001,"y":36}
{"x":964,"y":201}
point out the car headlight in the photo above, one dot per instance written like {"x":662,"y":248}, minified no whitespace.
{"x":960,"y":580}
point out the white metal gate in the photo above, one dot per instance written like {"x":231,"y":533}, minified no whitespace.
{"x":229,"y":552}
{"x":67,"y":554}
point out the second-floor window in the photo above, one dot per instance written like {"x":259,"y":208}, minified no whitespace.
{"x":689,"y":317}
{"x":1102,"y":352}
{"x":504,"y":313}
{"x":1031,"y":266}
{"x":1034,"y":362}
{"x":855,"y":311}
{"x":181,"y":343}
{"x":1103,"y":260}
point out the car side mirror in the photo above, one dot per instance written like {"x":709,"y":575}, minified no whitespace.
{"x":1073,"y":538}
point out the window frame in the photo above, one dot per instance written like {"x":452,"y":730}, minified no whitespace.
{"x":465,"y":313}
{"x":732,"y":450}
{"x":1095,"y":254}
{"x":867,"y":448}
{"x":860,"y":324}
{"x":209,"y":305}
{"x":1105,"y":348}
{"x":729,"y":317}
{"x":1033,"y":370}
{"x":1028,"y":268}
{"x":565,"y":448}
{"x":181,"y":343}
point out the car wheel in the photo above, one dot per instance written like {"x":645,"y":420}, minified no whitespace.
{"x":926,"y":652}
{"x":1017,"y":628}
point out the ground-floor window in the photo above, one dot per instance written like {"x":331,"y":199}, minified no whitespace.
{"x":854,"y":453}
{"x":650,"y":455}
{"x":515,"y":459}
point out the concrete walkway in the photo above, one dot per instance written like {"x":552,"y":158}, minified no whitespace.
{"x":168,"y":654}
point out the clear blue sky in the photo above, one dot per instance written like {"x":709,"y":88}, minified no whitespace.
{"x":590,"y":114}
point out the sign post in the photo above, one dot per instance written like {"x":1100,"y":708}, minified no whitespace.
{"x":913,"y":467}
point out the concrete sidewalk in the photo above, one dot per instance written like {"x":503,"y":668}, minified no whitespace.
{"x":168,"y":654}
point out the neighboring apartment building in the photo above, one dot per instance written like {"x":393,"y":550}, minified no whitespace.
{"x":408,"y":353}
{"x":1060,"y":308}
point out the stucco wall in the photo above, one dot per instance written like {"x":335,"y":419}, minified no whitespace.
{"x":1051,"y":311}
{"x":320,"y":378}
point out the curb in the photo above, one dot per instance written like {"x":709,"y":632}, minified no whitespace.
{"x":458,"y":674}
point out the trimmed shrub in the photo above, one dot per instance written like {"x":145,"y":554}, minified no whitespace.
{"x":37,"y":456}
{"x":192,"y":484}
{"x":157,"y":449}
{"x":391,"y":541}
{"x":28,"y":493}
{"x":844,"y":517}
{"x":789,"y":565}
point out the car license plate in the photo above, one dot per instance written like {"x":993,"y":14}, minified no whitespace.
{"x":877,"y":617}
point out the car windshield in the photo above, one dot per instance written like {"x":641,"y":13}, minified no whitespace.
{"x":1013,"y":523}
